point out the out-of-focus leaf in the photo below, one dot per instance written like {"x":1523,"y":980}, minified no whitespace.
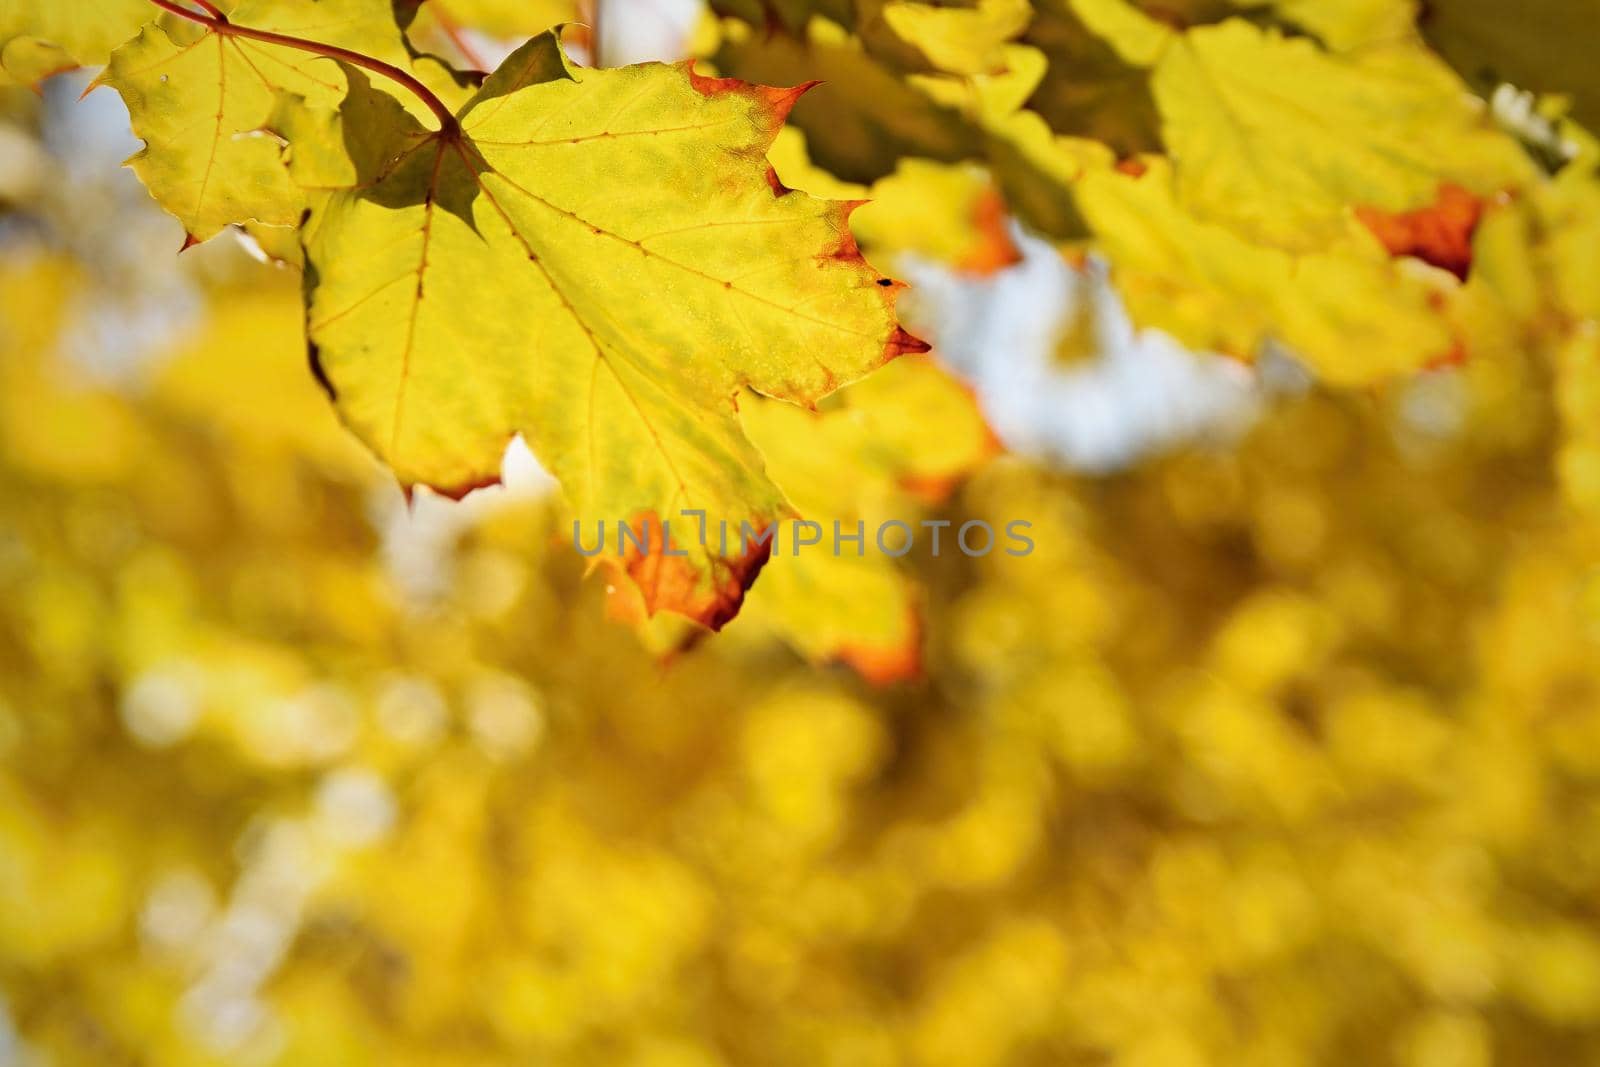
{"x":1088,"y":89}
{"x":41,"y":37}
{"x":1344,"y":25}
{"x":1354,"y":315}
{"x":908,"y":433}
{"x":948,"y":213}
{"x":909,"y":35}
{"x":48,"y":429}
{"x":504,"y":18}
{"x":1390,"y":127}
{"x":937,"y":37}
{"x":862,"y":117}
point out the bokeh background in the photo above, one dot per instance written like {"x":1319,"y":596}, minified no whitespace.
{"x":1282,"y":748}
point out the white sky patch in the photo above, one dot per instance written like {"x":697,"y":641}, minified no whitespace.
{"x":420,"y":538}
{"x":639,"y":31}
{"x":1134,"y":392}
{"x":139,"y":298}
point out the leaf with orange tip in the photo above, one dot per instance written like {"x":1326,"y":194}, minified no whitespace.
{"x":882,"y":451}
{"x":1386,"y":129}
{"x":599,"y":262}
{"x":949,"y":213}
{"x":864,"y":116}
{"x":1439,"y":234}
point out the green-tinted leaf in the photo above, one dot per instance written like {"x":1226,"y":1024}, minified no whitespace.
{"x":863,"y":117}
{"x":1088,"y":89}
{"x":967,"y":37}
{"x":1344,"y":25}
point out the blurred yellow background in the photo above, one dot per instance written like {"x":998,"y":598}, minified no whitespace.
{"x":1275,"y":752}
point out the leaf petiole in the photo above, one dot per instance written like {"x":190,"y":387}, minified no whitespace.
{"x":218,"y":23}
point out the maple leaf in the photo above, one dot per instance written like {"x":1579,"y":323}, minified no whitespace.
{"x":1347,"y":309}
{"x":936,"y":37}
{"x":1343,"y":25}
{"x":862,"y":117}
{"x":1088,"y":89}
{"x":1279,"y":139}
{"x":875,"y":453}
{"x":200,"y":95}
{"x":909,"y":35}
{"x":599,"y":260}
{"x":41,"y":37}
{"x":950,"y":213}
{"x":788,"y":16}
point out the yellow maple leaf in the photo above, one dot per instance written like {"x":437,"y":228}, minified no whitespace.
{"x":877,"y":451}
{"x":600,"y":260}
{"x":41,"y":37}
{"x":1279,"y":140}
{"x":1349,"y":310}
{"x":200,"y":95}
{"x":863,"y":116}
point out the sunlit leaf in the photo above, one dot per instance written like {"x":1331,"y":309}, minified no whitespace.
{"x":600,"y":263}
{"x":1391,"y":126}
{"x":201,"y":102}
{"x":41,"y":37}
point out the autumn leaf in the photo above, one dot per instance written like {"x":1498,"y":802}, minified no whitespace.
{"x":878,"y":452}
{"x":788,"y":16}
{"x":1089,"y":90}
{"x":934,"y":37}
{"x":1439,"y":234}
{"x":1344,"y":25}
{"x":862,"y":117}
{"x":1390,"y":127}
{"x":599,"y":260}
{"x":907,"y":35}
{"x":1348,"y":310}
{"x":200,"y":96}
{"x":41,"y":37}
{"x":950,"y":213}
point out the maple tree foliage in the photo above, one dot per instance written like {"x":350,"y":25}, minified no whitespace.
{"x":1283,"y":746}
{"x":601,"y":260}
